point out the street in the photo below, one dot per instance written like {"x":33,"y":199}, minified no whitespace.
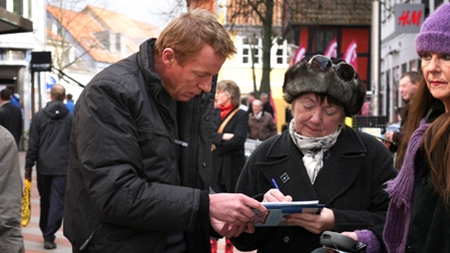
{"x":34,"y":242}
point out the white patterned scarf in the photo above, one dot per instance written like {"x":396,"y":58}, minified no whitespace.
{"x":313,"y":149}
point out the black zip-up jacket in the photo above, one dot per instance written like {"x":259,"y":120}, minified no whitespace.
{"x":132,"y":180}
{"x":48,"y":142}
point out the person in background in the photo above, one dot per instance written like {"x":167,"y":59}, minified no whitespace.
{"x":15,"y":100}
{"x":243,"y":105}
{"x":70,"y":105}
{"x":231,"y":128}
{"x":267,"y":107}
{"x":11,"y":239}
{"x":418,"y":217}
{"x":10,"y":115}
{"x":260,"y":123}
{"x":140,"y":156}
{"x":287,"y":118}
{"x":48,"y":147}
{"x":409,"y":82}
{"x":318,"y":158}
{"x":250,"y":98}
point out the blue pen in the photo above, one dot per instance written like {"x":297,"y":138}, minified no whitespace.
{"x":275,"y":184}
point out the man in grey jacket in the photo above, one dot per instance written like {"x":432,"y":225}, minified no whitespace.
{"x":11,"y":239}
{"x":140,"y":158}
{"x":48,"y":145}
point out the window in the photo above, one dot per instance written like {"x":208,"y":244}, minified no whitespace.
{"x":413,"y":65}
{"x":404,"y":68}
{"x":18,"y":7}
{"x":322,"y":39}
{"x":279,"y":53}
{"x":252,"y":47}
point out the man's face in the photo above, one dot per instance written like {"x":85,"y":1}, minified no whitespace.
{"x":185,"y":81}
{"x":257,"y":106}
{"x":406,"y":88}
{"x":264,"y":99}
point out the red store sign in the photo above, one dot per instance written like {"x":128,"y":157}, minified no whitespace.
{"x":408,"y":17}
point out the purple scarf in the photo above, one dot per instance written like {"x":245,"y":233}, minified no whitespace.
{"x":401,"y":192}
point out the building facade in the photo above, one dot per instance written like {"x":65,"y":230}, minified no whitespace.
{"x":397,"y":52}
{"x":19,"y":35}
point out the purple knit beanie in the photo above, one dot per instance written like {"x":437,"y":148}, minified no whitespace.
{"x":434,"y":34}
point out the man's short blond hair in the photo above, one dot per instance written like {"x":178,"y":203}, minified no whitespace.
{"x":187,"y":35}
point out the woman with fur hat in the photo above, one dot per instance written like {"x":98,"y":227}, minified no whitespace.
{"x":318,"y":158}
{"x":418,"y":218}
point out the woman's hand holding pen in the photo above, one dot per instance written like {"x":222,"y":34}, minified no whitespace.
{"x":274,"y":195}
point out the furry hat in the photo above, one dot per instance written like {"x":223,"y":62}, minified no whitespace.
{"x":300,"y":78}
{"x":434,"y":34}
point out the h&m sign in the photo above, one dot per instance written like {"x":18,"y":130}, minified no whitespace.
{"x":408,"y":17}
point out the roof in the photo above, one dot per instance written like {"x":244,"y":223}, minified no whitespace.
{"x":135,"y":31}
{"x":305,"y":12}
{"x":331,"y":12}
{"x":241,"y":12}
{"x":83,"y":26}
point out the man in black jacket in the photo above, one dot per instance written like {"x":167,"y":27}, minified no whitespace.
{"x":48,"y":145}
{"x":10,"y":115}
{"x":140,"y":156}
{"x":409,"y":82}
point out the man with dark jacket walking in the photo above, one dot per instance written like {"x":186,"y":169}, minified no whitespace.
{"x":48,"y":145}
{"x":10,"y":115}
{"x":140,"y":152}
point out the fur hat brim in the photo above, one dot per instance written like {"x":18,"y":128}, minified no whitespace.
{"x":300,"y":79}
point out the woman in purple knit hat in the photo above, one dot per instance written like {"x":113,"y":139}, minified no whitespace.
{"x":418,"y":218}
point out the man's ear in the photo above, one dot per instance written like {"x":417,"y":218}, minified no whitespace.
{"x":168,"y":56}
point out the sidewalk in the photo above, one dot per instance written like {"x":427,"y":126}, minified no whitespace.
{"x":34,"y":242}
{"x":32,"y":235}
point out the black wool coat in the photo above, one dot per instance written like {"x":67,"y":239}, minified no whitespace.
{"x":228,"y":156}
{"x":350,"y":183}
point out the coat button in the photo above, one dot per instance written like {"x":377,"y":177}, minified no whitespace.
{"x":410,"y":249}
{"x":207,"y":118}
{"x":286,"y":239}
{"x":204,"y":164}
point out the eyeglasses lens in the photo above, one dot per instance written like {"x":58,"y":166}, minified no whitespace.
{"x":320,"y":63}
{"x":345,"y":71}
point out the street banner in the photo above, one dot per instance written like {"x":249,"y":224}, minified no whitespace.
{"x":350,"y":55}
{"x":299,"y":54}
{"x":331,"y":50}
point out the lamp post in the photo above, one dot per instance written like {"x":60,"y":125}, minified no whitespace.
{"x":375,"y":58}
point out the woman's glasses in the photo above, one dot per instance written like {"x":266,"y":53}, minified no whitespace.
{"x":344,"y":71}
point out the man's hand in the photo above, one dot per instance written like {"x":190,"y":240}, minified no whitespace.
{"x":229,"y":230}
{"x":28,"y":173}
{"x":233,"y":208}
